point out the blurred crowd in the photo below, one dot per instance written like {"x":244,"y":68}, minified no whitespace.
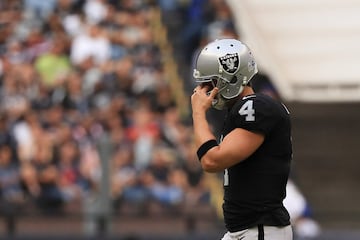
{"x":73,"y":72}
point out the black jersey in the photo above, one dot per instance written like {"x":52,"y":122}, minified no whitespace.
{"x":254,"y":189}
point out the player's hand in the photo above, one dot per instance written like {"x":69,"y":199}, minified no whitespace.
{"x":201,"y":100}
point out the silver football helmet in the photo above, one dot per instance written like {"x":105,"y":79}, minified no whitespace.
{"x":227,"y":64}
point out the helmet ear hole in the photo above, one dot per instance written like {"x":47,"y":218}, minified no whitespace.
{"x":233,"y":80}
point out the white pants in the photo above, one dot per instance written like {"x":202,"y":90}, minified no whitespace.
{"x":270,"y":233}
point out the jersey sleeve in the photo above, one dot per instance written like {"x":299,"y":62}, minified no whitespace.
{"x":254,"y":114}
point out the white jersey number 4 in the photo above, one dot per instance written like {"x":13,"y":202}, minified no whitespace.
{"x":248,"y":110}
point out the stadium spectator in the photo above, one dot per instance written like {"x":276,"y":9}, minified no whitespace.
{"x":164,"y":181}
{"x":127,"y":183}
{"x":70,"y":178}
{"x":143,"y":132}
{"x":75,"y":101}
{"x":91,"y":46}
{"x":25,"y":130}
{"x":95,"y":11}
{"x":40,"y":8}
{"x":11,"y":193}
{"x":54,"y":65}
{"x":7,"y":138}
{"x":12,"y":197}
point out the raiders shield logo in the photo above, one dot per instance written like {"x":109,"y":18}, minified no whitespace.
{"x":230,"y":62}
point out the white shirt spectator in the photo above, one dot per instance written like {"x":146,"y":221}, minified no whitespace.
{"x":90,"y":45}
{"x":73,"y":24}
{"x":95,"y":11}
{"x":25,"y":138}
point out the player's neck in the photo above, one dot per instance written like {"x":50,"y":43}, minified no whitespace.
{"x":247,"y":91}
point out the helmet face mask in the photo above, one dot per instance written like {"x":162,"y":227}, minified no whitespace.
{"x":211,"y":82}
{"x":227,"y":64}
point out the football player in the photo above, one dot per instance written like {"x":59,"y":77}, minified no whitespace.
{"x":254,"y":151}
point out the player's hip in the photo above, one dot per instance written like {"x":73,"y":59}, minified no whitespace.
{"x":261,"y":232}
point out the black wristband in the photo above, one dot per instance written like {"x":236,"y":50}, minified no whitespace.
{"x":206,"y":146}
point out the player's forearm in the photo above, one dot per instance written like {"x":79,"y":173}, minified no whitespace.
{"x":202,"y":132}
{"x":210,"y":154}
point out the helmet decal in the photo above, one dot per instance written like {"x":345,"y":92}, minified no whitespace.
{"x":230,"y":62}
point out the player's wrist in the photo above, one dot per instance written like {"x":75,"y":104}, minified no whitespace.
{"x":205,"y":147}
{"x":198,"y":117}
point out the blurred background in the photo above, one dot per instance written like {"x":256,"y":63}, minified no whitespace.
{"x":95,"y":122}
